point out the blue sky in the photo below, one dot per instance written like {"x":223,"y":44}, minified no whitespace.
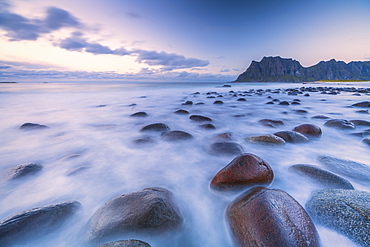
{"x":173,"y":40}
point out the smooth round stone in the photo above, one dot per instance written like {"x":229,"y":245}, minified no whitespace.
{"x":362,"y":104}
{"x":158,"y":127}
{"x":32,"y":126}
{"x":284,"y":103}
{"x":208,"y":126}
{"x":345,"y":211}
{"x":360,"y":122}
{"x":271,"y":122}
{"x":243,"y":171}
{"x":366,"y":141}
{"x":226,"y":148}
{"x":23,"y":170}
{"x":126,"y":243}
{"x":176,"y":135}
{"x":218,"y":102}
{"x":139,"y":114}
{"x":309,"y":130}
{"x":292,"y":136}
{"x":266,"y":139}
{"x":270,"y":218}
{"x":340,"y":124}
{"x":182,"y":112}
{"x":199,"y":118}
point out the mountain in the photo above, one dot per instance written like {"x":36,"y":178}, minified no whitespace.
{"x":277,"y":69}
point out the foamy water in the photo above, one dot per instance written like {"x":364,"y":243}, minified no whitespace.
{"x":92,"y":122}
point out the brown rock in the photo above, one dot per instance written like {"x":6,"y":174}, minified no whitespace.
{"x":309,"y":130}
{"x":243,"y":171}
{"x":158,"y":127}
{"x":226,"y":148}
{"x":270,"y":218}
{"x":182,"y":112}
{"x":266,"y":139}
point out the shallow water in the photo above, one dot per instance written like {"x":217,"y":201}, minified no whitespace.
{"x":93,"y":121}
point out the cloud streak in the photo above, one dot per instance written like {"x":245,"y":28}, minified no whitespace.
{"x":19,"y":28}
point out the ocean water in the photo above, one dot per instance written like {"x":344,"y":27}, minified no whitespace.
{"x":88,"y":152}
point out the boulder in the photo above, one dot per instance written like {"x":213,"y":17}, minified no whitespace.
{"x":284,"y":103}
{"x":366,"y":141}
{"x":243,"y":171}
{"x":143,"y":141}
{"x":226,"y":148}
{"x":362,"y":104}
{"x":176,"y":135}
{"x":218,"y":102}
{"x":199,"y":118}
{"x":189,"y":102}
{"x":340,"y":124}
{"x":270,"y":218}
{"x":158,"y":127}
{"x":32,"y":126}
{"x":23,"y":170}
{"x":360,"y":122}
{"x":151,"y":210}
{"x":358,"y":171}
{"x":139,"y":114}
{"x":208,"y":126}
{"x":182,"y":112}
{"x":35,"y":223}
{"x":345,"y":211}
{"x":126,"y":243}
{"x":271,"y":122}
{"x":292,"y":136}
{"x":266,"y":139}
{"x":325,"y":178}
{"x":311,"y":131}
{"x":320,"y":117}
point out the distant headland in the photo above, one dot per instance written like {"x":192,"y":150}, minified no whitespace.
{"x":277,"y":69}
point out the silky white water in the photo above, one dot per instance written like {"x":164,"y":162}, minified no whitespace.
{"x":92,"y":122}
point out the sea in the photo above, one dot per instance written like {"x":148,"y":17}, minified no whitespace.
{"x":89,"y":155}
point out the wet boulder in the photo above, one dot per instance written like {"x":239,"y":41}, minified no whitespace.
{"x":207,"y":126}
{"x":157,"y":127}
{"x":32,"y":126}
{"x":271,"y":122}
{"x":266,"y":139}
{"x":345,"y":211}
{"x":189,"y":102}
{"x":143,"y":141}
{"x":360,"y":122}
{"x":320,"y":117}
{"x":362,"y":104}
{"x":199,"y":118}
{"x":340,"y":124}
{"x":325,"y":178}
{"x":270,"y":218}
{"x":32,"y":224}
{"x":23,"y":170}
{"x":292,"y":136}
{"x":176,"y":135}
{"x":151,"y":210}
{"x":226,"y":148}
{"x":309,"y":130}
{"x":357,"y":171}
{"x":139,"y":114}
{"x":182,"y":112}
{"x":284,"y":103}
{"x":126,"y":243}
{"x":218,"y":102}
{"x":366,"y":141}
{"x":243,"y":171}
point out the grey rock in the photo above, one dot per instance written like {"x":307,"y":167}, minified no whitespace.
{"x":340,"y":124}
{"x":151,"y":210}
{"x":126,"y":243}
{"x":199,"y":118}
{"x":23,"y":170}
{"x":345,"y":211}
{"x":176,"y":135}
{"x":32,"y":126}
{"x":324,"y":178}
{"x":358,"y":171}
{"x":292,"y":136}
{"x":158,"y":127}
{"x":35,"y":223}
{"x":362,"y":104}
{"x":139,"y":114}
{"x":226,"y":148}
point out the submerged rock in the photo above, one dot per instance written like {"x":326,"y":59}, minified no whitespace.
{"x":309,"y":130}
{"x":360,"y":122}
{"x":345,"y":211}
{"x":143,"y":141}
{"x":292,"y":136}
{"x":325,"y":178}
{"x":199,"y":118}
{"x":226,"y":148}
{"x":139,"y":114}
{"x":208,"y":126}
{"x":23,"y":170}
{"x":159,"y":127}
{"x":271,"y":122}
{"x":151,"y":210}
{"x":366,"y":141}
{"x":243,"y":171}
{"x":32,"y":224}
{"x":32,"y":126}
{"x":340,"y":124}
{"x":182,"y":112}
{"x":270,"y":218}
{"x":126,"y":243}
{"x":362,"y":104}
{"x":358,"y":171}
{"x":266,"y":139}
{"x":176,"y":135}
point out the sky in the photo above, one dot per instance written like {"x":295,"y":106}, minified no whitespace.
{"x":173,"y":40}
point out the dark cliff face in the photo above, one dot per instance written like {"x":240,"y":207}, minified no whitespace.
{"x":277,"y":69}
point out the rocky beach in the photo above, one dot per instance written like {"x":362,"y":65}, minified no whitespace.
{"x":196,"y":164}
